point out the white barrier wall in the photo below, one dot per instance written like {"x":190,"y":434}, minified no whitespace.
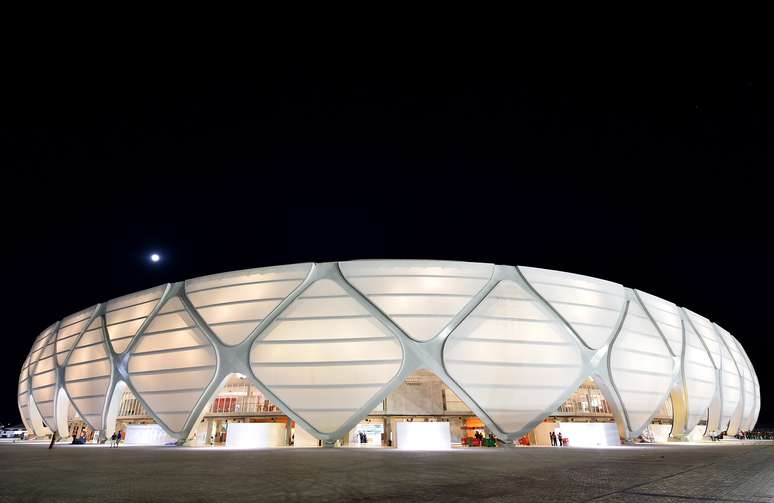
{"x":425,"y":436}
{"x":590,"y":434}
{"x":254,"y":435}
{"x":146,"y":434}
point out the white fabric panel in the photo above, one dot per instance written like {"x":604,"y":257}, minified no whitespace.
{"x":667,"y":318}
{"x":590,"y":434}
{"x":753,"y":420}
{"x":757,"y":402}
{"x":256,"y":435}
{"x":591,"y":306}
{"x":330,"y":367}
{"x":748,"y":410}
{"x":513,"y":359}
{"x":43,"y":381}
{"x":124,"y":316}
{"x":23,"y":394}
{"x":146,"y":434}
{"x":185,"y":378}
{"x":420,"y":296}
{"x":69,"y":330}
{"x":87,"y":374}
{"x":234,"y":303}
{"x":730,"y":377}
{"x":699,"y":377}
{"x":711,"y":339}
{"x":172,"y":364}
{"x":641,"y":366}
{"x":37,"y":347}
{"x":423,"y":436}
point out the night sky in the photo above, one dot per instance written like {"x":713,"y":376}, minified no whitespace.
{"x":649,"y":172}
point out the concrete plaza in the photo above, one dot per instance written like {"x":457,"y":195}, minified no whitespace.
{"x":648,"y":473}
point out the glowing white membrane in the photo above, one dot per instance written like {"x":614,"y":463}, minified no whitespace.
{"x":420,"y":296}
{"x":172,"y":365}
{"x":325,"y":356}
{"x":43,"y":381}
{"x":234,"y":303}
{"x":125,"y":316}
{"x":667,"y":318}
{"x":513,"y":358}
{"x":23,"y":394}
{"x":699,"y":377}
{"x":591,"y":306}
{"x":69,"y":330}
{"x":87,"y":374}
{"x":641,"y":367}
{"x":748,"y":407}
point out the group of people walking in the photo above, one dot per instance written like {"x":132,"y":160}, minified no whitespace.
{"x":115,"y":439}
{"x":755,"y":435}
{"x":80,"y":438}
{"x":557,"y":440}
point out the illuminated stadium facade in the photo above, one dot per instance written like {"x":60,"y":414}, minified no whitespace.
{"x":316,"y":352}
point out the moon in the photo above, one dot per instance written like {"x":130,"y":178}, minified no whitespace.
{"x":155,"y":257}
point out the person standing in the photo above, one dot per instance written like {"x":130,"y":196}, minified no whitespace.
{"x":552,"y":436}
{"x":559,"y":439}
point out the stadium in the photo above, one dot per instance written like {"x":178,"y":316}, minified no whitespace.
{"x":387,"y":353}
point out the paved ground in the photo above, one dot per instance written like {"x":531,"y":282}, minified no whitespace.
{"x":652,"y":474}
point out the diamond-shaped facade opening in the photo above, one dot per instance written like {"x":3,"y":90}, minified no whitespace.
{"x":422,"y":400}
{"x":124,"y":316}
{"x":698,"y":376}
{"x":513,"y":358}
{"x":420,"y":296}
{"x":69,"y":330}
{"x":87,"y":374}
{"x":43,"y":381}
{"x":239,"y":414}
{"x":234,"y":303}
{"x":641,"y":367}
{"x":172,"y":365}
{"x":325,"y":356}
{"x":667,"y":318}
{"x":591,"y":306}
